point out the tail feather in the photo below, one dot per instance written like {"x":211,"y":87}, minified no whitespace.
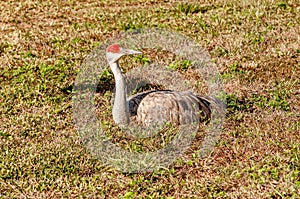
{"x":214,"y":104}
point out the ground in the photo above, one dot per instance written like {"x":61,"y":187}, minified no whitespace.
{"x":255,"y":45}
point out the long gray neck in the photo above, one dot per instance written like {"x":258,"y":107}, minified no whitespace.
{"x":120,"y":108}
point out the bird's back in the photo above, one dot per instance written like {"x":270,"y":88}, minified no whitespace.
{"x":158,"y":107}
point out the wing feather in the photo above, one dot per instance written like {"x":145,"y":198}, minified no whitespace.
{"x":162,"y":106}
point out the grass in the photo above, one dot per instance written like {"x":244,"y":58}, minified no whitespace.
{"x":255,"y":45}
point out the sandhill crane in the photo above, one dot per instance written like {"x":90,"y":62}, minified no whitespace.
{"x":153,"y":107}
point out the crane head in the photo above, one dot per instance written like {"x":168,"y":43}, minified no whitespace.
{"x":114,"y":52}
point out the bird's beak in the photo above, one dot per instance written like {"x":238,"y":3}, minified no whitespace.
{"x":130,"y":52}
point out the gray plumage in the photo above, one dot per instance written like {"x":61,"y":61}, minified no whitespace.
{"x":158,"y":107}
{"x":154,"y":107}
